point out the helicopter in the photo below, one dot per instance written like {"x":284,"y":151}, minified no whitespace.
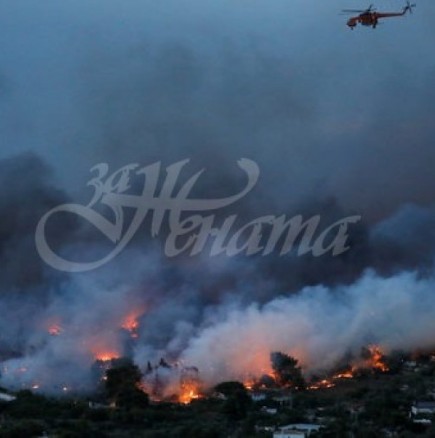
{"x":369,"y":16}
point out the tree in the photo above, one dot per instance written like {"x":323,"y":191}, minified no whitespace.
{"x":122,"y":384}
{"x":287,"y":371}
{"x":237,"y":400}
{"x":229,"y":389}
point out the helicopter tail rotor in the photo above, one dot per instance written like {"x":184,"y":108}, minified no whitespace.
{"x":409,"y":6}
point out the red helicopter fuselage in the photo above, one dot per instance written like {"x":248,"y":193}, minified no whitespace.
{"x":371,"y":18}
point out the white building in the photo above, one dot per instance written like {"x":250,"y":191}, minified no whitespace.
{"x":423,"y":421}
{"x":427,"y":408}
{"x":6,"y":397}
{"x":258,"y":396}
{"x":270,"y":411}
{"x":284,"y":399}
{"x":289,"y":434}
{"x":300,"y":430}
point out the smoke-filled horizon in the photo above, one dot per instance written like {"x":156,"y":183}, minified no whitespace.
{"x":340,"y":123}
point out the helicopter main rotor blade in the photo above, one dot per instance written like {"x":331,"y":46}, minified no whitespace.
{"x":359,"y":10}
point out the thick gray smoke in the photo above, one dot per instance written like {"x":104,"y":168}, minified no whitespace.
{"x":318,"y":326}
{"x":339,"y":124}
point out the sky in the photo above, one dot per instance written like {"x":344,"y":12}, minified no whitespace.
{"x":340,"y":122}
{"x":335,"y":106}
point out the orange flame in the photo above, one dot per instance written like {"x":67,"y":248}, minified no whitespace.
{"x":53,"y":325}
{"x":249,"y":384}
{"x":344,"y":375}
{"x":106,"y":356}
{"x":188,"y":393}
{"x":322,"y":384}
{"x":376,"y":360}
{"x":131,"y":322}
{"x":55,"y":330}
{"x":189,"y":385}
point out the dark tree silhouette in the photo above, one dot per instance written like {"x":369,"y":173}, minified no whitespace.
{"x":237,"y":401}
{"x":122,"y":384}
{"x":286,"y":369}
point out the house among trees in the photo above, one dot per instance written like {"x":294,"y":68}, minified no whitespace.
{"x":422,"y":412}
{"x":296,"y":430}
{"x":6,"y":397}
{"x":423,"y":408}
{"x":284,"y":433}
{"x":285,"y":398}
{"x":257,"y":396}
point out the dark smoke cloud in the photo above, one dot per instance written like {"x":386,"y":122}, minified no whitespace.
{"x":28,"y":194}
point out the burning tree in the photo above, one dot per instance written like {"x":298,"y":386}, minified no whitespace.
{"x":189,"y":385}
{"x":286,"y":370}
{"x":374,"y":358}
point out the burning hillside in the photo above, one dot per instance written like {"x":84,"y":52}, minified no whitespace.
{"x":182,"y":384}
{"x":370,"y":360}
{"x":222,"y":315}
{"x":287,"y":374}
{"x":318,"y":327}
